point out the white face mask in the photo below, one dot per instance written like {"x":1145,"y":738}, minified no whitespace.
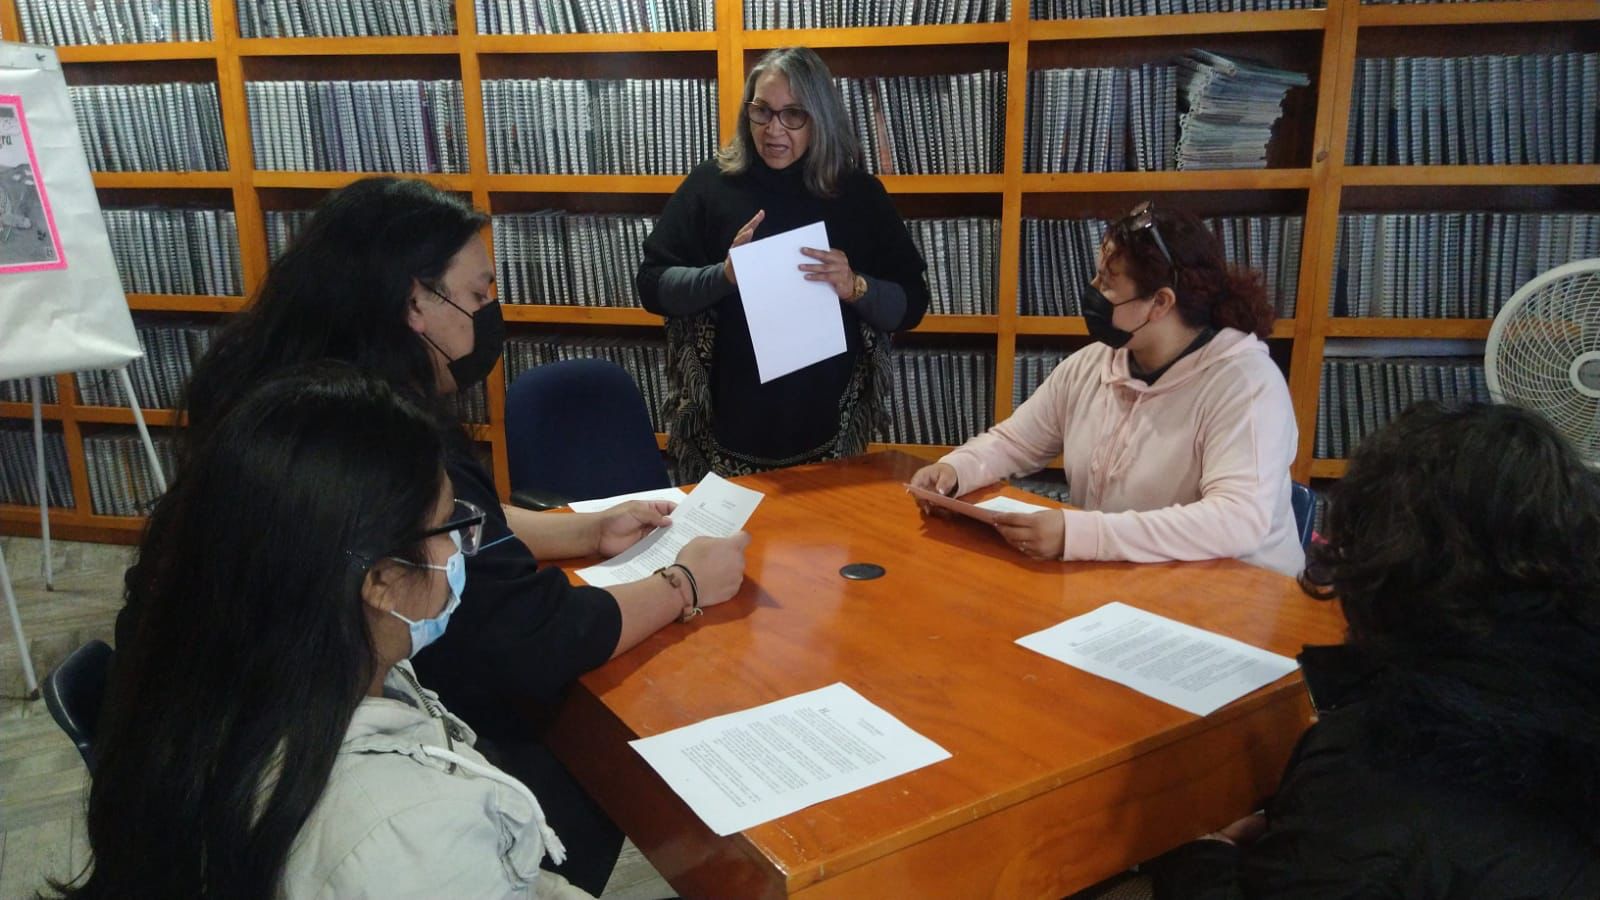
{"x":426,"y":631}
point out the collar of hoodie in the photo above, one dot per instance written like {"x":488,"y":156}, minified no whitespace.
{"x":1122,"y":429}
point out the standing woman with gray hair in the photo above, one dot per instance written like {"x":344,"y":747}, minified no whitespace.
{"x":793,"y":161}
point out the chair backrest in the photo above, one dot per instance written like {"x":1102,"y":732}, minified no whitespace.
{"x":1304,"y":502}
{"x":579,"y":429}
{"x":74,"y":691}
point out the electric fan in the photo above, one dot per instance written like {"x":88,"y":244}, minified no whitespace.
{"x":1544,"y":352}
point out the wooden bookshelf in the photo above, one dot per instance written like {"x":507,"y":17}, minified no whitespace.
{"x":1308,"y":167}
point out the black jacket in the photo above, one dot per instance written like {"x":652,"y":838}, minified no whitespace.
{"x":1471,"y":769}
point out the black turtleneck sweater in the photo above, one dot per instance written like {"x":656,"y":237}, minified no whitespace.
{"x":681,"y":275}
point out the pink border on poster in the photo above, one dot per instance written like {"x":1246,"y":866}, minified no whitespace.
{"x":60,"y":261}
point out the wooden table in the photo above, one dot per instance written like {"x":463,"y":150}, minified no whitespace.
{"x":1057,"y":779}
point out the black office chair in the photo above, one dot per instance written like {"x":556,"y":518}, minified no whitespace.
{"x":577,"y":430}
{"x":1304,"y":502}
{"x":73,"y":693}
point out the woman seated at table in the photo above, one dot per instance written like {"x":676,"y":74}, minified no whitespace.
{"x":793,"y":161}
{"x":393,"y":275}
{"x":1175,"y":427}
{"x":1457,"y":750}
{"x":264,"y":734}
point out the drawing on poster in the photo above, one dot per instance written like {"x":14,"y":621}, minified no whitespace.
{"x":28,"y":238}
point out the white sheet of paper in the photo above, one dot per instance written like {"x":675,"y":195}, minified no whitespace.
{"x":1010,"y":505}
{"x":604,"y":503}
{"x":1190,"y":668}
{"x":715,"y":508}
{"x":741,"y":769}
{"x":793,"y":322}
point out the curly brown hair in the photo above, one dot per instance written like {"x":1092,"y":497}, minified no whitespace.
{"x":1454,"y":522}
{"x":1209,"y":290}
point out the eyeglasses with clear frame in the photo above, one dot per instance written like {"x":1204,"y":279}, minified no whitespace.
{"x":467,"y":520}
{"x":793,"y":118}
{"x":1143,"y":218}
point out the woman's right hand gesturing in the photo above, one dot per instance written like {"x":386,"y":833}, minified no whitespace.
{"x":739,"y":240}
{"x":717,"y":564}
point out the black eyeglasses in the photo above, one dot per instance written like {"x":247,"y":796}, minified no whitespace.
{"x":467,"y":519}
{"x":793,"y":118}
{"x":1143,"y":218}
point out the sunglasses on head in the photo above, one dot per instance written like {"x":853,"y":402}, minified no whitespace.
{"x":1143,"y":218}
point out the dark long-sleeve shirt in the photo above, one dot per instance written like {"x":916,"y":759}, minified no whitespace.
{"x":681,"y":275}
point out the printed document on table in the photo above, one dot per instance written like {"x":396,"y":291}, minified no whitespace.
{"x":739,"y":770}
{"x":715,"y":508}
{"x":1187,"y":667}
{"x":671,"y":494}
{"x":793,"y":322}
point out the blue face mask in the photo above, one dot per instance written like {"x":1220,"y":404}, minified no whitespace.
{"x":426,"y":631}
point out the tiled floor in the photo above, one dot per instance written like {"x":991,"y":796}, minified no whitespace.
{"x":42,"y":780}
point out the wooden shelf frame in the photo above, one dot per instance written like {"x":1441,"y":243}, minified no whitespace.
{"x":1335,"y":29}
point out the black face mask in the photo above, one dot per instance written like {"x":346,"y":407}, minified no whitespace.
{"x":488,"y":339}
{"x":1097,"y":312}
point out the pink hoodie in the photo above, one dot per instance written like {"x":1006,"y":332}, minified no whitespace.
{"x":1195,"y":466}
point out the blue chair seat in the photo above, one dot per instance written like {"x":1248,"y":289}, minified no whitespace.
{"x":1304,"y":502}
{"x":577,"y":430}
{"x":74,"y":692}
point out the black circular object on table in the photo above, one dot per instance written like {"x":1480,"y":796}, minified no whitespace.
{"x":862,"y":571}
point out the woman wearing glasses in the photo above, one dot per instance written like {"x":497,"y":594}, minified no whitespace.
{"x":1175,"y":426}
{"x":793,"y":161}
{"x":264,"y":734}
{"x":392,"y":275}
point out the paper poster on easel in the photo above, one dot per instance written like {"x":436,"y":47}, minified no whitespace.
{"x":62,"y":308}
{"x":29,"y":241}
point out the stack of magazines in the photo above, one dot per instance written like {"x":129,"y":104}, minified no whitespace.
{"x":175,"y":251}
{"x":592,"y":16}
{"x":61,"y":23}
{"x":174,"y":127}
{"x":1230,"y":107}
{"x":358,"y":126}
{"x":569,"y":126}
{"x":559,"y":258}
{"x":159,"y":376}
{"x":120,"y":480}
{"x":345,"y":18}
{"x":928,"y":124}
{"x":763,"y":14}
{"x":963,"y":263}
{"x":939,"y":396}
{"x":1359,"y":396}
{"x":19,"y":480}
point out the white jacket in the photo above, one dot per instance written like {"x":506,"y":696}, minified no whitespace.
{"x":411,"y":810}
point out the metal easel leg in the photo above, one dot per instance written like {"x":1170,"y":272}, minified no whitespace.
{"x":45,"y":568}
{"x":16,"y":629}
{"x":144,"y":433}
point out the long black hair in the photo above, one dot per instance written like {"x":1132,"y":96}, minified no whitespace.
{"x":1451,"y":521}
{"x":339,"y":292}
{"x":227,"y":706}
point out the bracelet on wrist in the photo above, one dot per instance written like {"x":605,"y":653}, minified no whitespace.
{"x":693,"y":609}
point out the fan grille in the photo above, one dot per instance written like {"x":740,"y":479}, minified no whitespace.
{"x":1535,"y":362}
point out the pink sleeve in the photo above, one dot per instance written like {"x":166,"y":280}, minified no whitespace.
{"x":1247,"y":442}
{"x":1024,"y":442}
